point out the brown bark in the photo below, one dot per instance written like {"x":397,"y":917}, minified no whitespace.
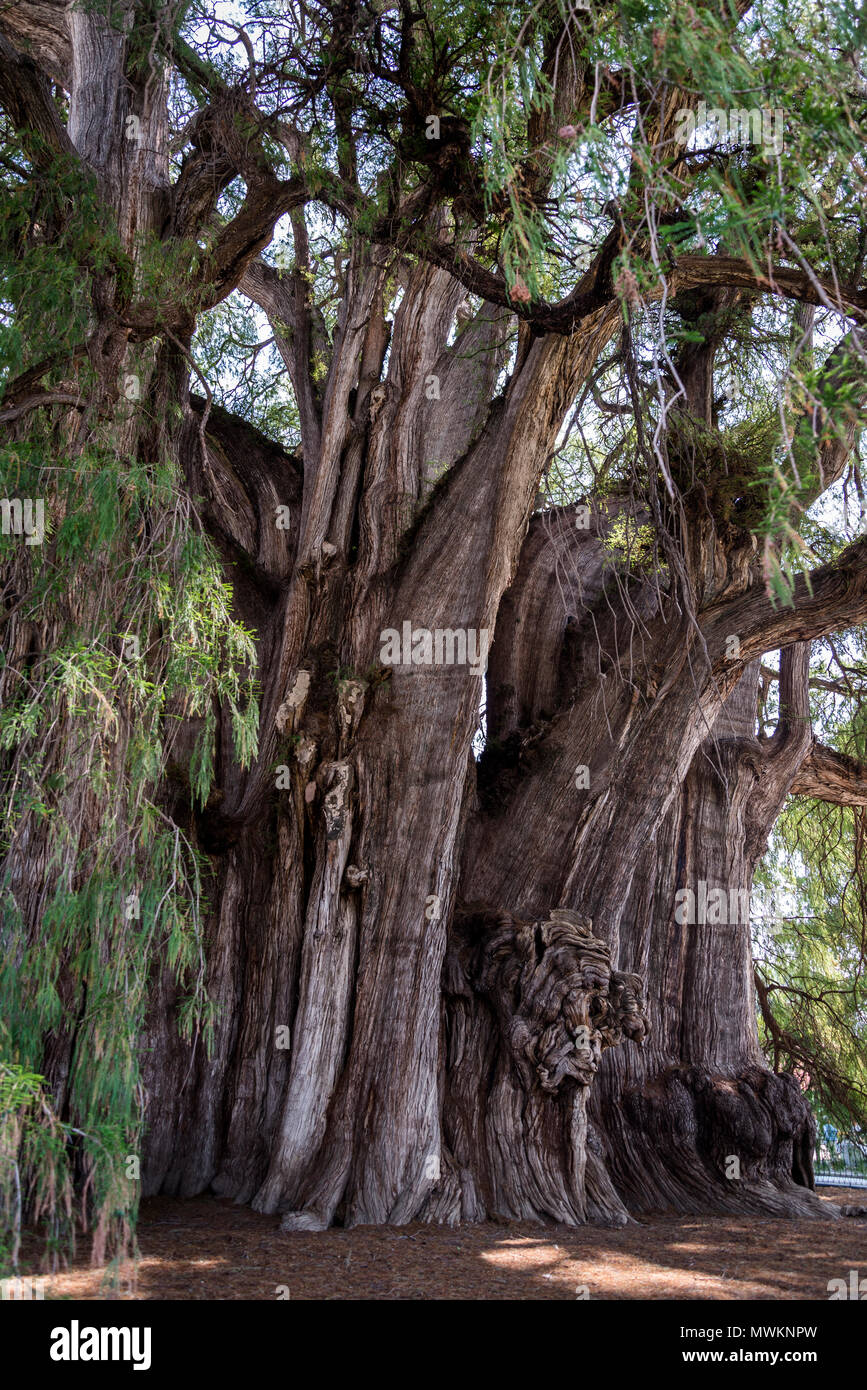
{"x":829,"y":775}
{"x":460,"y":955}
{"x":697,"y":1119}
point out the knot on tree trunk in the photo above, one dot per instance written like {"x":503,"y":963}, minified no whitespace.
{"x":551,"y":986}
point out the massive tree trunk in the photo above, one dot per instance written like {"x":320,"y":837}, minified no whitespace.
{"x":487,"y":1104}
{"x":669,"y":1117}
{"x":446,"y":988}
{"x":697,"y":1120}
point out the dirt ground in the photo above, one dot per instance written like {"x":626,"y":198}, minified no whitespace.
{"x":207,"y":1248}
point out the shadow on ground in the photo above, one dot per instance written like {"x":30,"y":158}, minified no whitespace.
{"x":207,"y":1248}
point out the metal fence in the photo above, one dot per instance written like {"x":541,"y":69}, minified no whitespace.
{"x":841,"y":1159}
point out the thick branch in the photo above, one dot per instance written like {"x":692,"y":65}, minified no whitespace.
{"x":596,"y":289}
{"x":783,"y":754}
{"x":298,"y":328}
{"x":25,"y":97}
{"x":832,"y":596}
{"x":41,"y":32}
{"x":236,"y":245}
{"x":831,"y":776}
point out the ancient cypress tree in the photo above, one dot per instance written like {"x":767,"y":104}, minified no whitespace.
{"x":420,"y":421}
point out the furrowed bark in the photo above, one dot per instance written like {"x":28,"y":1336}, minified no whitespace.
{"x":697,"y":1121}
{"x":446,"y":990}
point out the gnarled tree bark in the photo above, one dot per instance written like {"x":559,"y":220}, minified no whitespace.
{"x":492,"y":1008}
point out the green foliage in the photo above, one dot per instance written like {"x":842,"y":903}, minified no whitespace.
{"x":87,"y":729}
{"x":812,"y":957}
{"x":813,"y":967}
{"x":234,"y":349}
{"x":122,"y":633}
{"x":89,"y":732}
{"x":33,"y":1148}
{"x":52,"y":230}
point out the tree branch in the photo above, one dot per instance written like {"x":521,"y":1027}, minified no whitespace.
{"x":831,"y":596}
{"x":816,"y":682}
{"x":41,"y":33}
{"x":298,"y":327}
{"x":595,"y":289}
{"x":41,"y":398}
{"x":831,"y":776}
{"x":25,"y":97}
